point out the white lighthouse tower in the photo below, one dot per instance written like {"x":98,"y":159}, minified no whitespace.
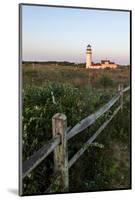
{"x":88,"y":56}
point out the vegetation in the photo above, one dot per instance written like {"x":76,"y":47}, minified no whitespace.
{"x":106,"y":81}
{"x":37,"y":74}
{"x":78,"y":93}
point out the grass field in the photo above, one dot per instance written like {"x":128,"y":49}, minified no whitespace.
{"x":37,"y":74}
{"x":78,"y":93}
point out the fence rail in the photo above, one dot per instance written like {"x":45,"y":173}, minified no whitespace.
{"x":61,"y":135}
{"x":91,"y":139}
{"x":40,"y":155}
{"x":85,"y":123}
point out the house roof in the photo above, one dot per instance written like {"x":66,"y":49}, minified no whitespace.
{"x":103,"y":62}
{"x":96,"y":64}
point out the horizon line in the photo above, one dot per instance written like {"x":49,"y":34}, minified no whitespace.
{"x":41,"y":61}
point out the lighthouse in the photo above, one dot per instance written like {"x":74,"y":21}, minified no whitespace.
{"x":88,"y":56}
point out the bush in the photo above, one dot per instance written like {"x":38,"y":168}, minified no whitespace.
{"x":105,"y":81}
{"x":38,"y":109}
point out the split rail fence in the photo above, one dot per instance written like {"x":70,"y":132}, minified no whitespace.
{"x":61,"y":135}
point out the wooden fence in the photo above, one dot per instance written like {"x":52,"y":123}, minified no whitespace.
{"x":59,"y":141}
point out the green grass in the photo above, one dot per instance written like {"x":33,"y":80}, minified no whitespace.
{"x":79,"y":77}
{"x":78,"y":93}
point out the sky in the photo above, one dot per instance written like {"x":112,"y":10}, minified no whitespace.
{"x":62,"y":34}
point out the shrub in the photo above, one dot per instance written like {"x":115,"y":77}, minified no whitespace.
{"x":105,"y":81}
{"x":38,"y":109}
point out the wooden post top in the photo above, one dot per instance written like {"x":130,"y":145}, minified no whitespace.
{"x":60,"y":116}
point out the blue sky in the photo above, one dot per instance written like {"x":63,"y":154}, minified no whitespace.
{"x":62,"y":34}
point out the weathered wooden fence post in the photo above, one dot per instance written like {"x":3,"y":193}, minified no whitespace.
{"x":59,"y":126}
{"x":120,"y":90}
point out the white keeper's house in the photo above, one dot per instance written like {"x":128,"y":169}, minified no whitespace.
{"x":104,"y":63}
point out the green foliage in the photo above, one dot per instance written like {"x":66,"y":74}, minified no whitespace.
{"x":108,"y":167}
{"x":38,"y":110}
{"x":98,"y":168}
{"x":38,"y":73}
{"x":105,"y":81}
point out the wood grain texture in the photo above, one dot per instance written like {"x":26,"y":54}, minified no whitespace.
{"x":59,"y":126}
